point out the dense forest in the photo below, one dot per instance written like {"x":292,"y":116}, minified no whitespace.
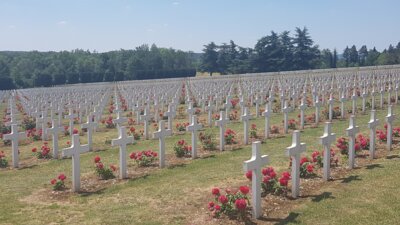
{"x":36,"y":69}
{"x":283,"y":52}
{"x":274,"y":52}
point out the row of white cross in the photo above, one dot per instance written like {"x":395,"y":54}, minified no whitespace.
{"x":294,"y":151}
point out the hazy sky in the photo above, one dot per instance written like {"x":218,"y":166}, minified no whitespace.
{"x":105,"y":25}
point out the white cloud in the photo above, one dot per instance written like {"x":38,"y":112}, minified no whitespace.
{"x":63,"y":22}
{"x":150,"y":30}
{"x":12,"y":27}
{"x":175,"y":3}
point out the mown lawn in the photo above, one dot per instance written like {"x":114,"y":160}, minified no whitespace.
{"x":179,"y":193}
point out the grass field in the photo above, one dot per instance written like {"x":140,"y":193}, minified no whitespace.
{"x":179,"y":193}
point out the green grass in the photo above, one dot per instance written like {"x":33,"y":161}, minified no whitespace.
{"x":178,"y":194}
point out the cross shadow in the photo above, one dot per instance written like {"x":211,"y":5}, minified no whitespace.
{"x":322,"y":196}
{"x":392,"y":156}
{"x":208,"y":156}
{"x":182,"y":165}
{"x":27,"y":167}
{"x":373,"y":166}
{"x":350,"y":179}
{"x":90,"y":193}
{"x":291,"y":218}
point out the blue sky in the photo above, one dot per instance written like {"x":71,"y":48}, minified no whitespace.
{"x":105,"y":25}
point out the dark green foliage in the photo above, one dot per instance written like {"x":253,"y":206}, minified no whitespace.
{"x":43,"y":69}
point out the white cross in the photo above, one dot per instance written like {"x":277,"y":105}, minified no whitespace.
{"x":326,"y":140}
{"x":71,"y":116}
{"x":330,"y":103}
{"x":54,"y":130}
{"x":254,"y":165}
{"x":171,"y":114}
{"x":209,"y":108}
{"x":161,"y":134}
{"x":120,"y":119}
{"x":245,"y":118}
{"x":146,"y":117}
{"x":285,"y":111}
{"x":317,"y":106}
{"x":352,"y":132}
{"x":90,"y":126}
{"x":372,"y":124}
{"x":14,"y":136}
{"x":75,"y":150}
{"x":257,"y":101}
{"x":44,"y":125}
{"x":294,"y":151}
{"x":221,"y":123}
{"x":354,"y":103}
{"x":302,"y":107}
{"x":364,"y":95}
{"x":389,"y":121}
{"x":382,"y":92}
{"x":190,"y":111}
{"x":343,"y":99}
{"x":194,"y":127}
{"x":266,"y":114}
{"x":373,"y":94}
{"x":227,"y":105}
{"x":122,"y":140}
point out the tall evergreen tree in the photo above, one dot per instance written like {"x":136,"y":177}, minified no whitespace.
{"x":305,"y":53}
{"x":210,"y":57}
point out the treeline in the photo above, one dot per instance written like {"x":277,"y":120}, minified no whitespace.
{"x":283,"y":52}
{"x":36,"y":69}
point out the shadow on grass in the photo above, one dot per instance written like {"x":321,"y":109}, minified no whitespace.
{"x":28,"y":167}
{"x":182,"y":165}
{"x":207,"y":157}
{"x":349,"y":179}
{"x":322,"y":196}
{"x":291,"y":218}
{"x":393,"y":157}
{"x":90,"y":193}
{"x":373,"y":166}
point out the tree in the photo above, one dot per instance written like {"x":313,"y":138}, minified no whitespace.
{"x":372,"y":57}
{"x":6,"y":83}
{"x":209,"y":59}
{"x":268,"y":53}
{"x":353,"y":56}
{"x":362,"y":55}
{"x":43,"y":80}
{"x":287,"y":51}
{"x":334,"y":59}
{"x":346,"y":56}
{"x":326,"y":59}
{"x":305,"y":53}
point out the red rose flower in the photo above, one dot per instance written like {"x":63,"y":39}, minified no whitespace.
{"x":244,"y":189}
{"x":34,"y":149}
{"x":286,"y":175}
{"x":249,"y":174}
{"x":215,"y":191}
{"x":283,"y":181}
{"x":53,"y":181}
{"x":62,"y":177}
{"x":223,"y":199}
{"x":97,"y":159}
{"x":217,"y":208}
{"x":211,"y":205}
{"x":240,"y":204}
{"x":100,"y":165}
{"x":310,"y":168}
{"x":303,"y":160}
